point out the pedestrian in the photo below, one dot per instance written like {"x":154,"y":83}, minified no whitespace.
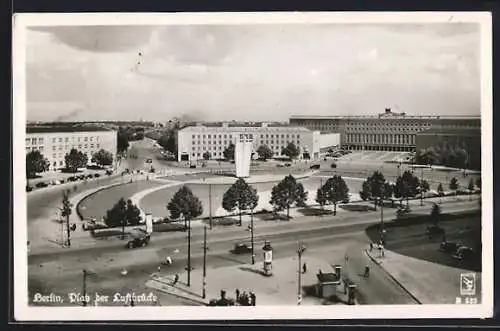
{"x":176,"y":279}
{"x":254,"y":299}
{"x":250,"y":299}
{"x":345,"y":286}
{"x":346,"y":258}
{"x":371,"y":246}
{"x":304,"y":268}
{"x":237,"y":295}
{"x":367,"y":272}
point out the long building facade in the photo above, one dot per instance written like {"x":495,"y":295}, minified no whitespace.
{"x":194,"y":141}
{"x":388,"y":131}
{"x":55,"y":142}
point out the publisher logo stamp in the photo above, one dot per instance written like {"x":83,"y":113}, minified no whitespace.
{"x":468,"y":284}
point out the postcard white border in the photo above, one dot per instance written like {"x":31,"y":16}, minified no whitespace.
{"x":23,"y":312}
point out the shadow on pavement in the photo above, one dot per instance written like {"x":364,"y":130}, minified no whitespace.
{"x":314,"y":211}
{"x":356,"y":207}
{"x":255,"y":271}
{"x":231,"y":259}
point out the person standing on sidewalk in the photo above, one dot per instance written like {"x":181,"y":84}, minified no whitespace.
{"x":237,"y":295}
{"x":367,"y":272}
{"x":304,"y":268}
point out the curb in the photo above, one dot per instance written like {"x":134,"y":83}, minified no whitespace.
{"x":393,"y":278}
{"x":163,"y":289}
{"x":77,"y":205}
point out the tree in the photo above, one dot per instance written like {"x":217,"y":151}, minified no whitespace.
{"x":424,"y":187}
{"x":264,"y":152}
{"x":375,"y":185}
{"x":440,"y":190}
{"x":291,"y":150}
{"x":286,"y":193}
{"x":184,"y":204}
{"x":321,"y":197}
{"x":122,"y":143}
{"x":103,"y":158}
{"x":428,"y":156}
{"x":335,"y":190}
{"x":206,"y":155}
{"x":188,"y":206}
{"x":117,"y":215}
{"x":240,"y":196}
{"x":365,"y":193}
{"x":75,"y":159}
{"x":66,"y":213}
{"x":229,"y":152}
{"x":133,"y":213}
{"x":35,"y":162}
{"x":453,"y":184}
{"x":168,"y":141}
{"x":435,"y":214}
{"x":470,"y":187}
{"x":461,"y":158}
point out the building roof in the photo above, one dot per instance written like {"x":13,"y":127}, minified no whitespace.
{"x":394,"y":116}
{"x":199,"y":128}
{"x":56,"y":129}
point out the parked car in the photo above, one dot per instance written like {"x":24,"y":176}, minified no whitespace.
{"x":97,"y":175}
{"x":92,"y":224}
{"x":29,"y":188}
{"x":241,"y":248}
{"x":192,"y":166}
{"x":109,"y":172}
{"x":41,"y":184}
{"x":149,"y":161}
{"x":449,"y":247}
{"x":333,"y":165}
{"x":464,"y":253}
{"x":288,"y":164}
{"x":138,"y":238}
{"x":279,"y":165}
{"x":72,"y":179}
{"x":315,"y":166}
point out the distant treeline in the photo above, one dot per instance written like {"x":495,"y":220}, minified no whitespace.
{"x":116,"y":123}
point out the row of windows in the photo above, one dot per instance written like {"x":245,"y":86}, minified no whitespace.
{"x":209,"y":136}
{"x":381,"y":139}
{"x":34,"y":148}
{"x":218,"y":154}
{"x":67,"y":147}
{"x":40,"y":140}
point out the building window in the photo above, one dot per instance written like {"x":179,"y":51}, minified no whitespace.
{"x":60,"y":147}
{"x":91,"y":145}
{"x":97,"y":145}
{"x":80,"y":146}
{"x":79,"y":139}
{"x":33,"y":141}
{"x":86,"y":146}
{"x":40,"y":140}
{"x":53,"y":140}
{"x":60,"y":140}
{"x":41,"y":148}
{"x":28,"y":149}
{"x":28,"y":141}
{"x":66,"y":139}
{"x":86,"y":138}
{"x":60,"y":163}
{"x":53,"y":148}
{"x":91,"y":138}
{"x":54,"y":155}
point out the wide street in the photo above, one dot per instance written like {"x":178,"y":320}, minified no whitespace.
{"x":59,"y":270}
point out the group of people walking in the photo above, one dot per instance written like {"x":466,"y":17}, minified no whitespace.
{"x":245,"y":299}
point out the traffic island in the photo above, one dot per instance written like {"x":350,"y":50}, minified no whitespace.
{"x":279,"y":289}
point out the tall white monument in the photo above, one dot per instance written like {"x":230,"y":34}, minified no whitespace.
{"x":243,"y":154}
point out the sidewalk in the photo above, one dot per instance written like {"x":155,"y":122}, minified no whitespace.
{"x":278,"y":289}
{"x":422,"y":278}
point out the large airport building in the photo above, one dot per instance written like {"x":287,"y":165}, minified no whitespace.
{"x":55,"y":142}
{"x":390,"y":131}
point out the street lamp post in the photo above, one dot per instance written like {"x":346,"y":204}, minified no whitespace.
{"x":421,"y":187}
{"x":300,"y":251}
{"x":210,"y":204}
{"x":189,"y":254}
{"x":252,"y":235}
{"x":205,"y":248}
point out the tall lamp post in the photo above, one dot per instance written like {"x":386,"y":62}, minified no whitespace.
{"x":252,"y":235}
{"x":189,"y":254}
{"x":421,"y":186}
{"x":205,"y":249}
{"x":382,"y":191}
{"x":300,"y":251}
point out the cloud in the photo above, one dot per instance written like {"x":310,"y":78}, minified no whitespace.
{"x":265,"y":72}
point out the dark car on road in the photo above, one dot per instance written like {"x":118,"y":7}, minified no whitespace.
{"x":29,"y":188}
{"x":42,"y":184}
{"x":333,"y":165}
{"x":315,"y":166}
{"x":138,"y":238}
{"x":149,"y":161}
{"x":449,"y":247}
{"x":241,"y":248}
{"x":464,"y":253}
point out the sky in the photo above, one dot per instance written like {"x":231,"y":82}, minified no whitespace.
{"x":250,"y":72}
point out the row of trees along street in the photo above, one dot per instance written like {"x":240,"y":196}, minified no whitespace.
{"x":36,"y":162}
{"x":407,"y":186}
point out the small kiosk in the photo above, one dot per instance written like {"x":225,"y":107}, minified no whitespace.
{"x":268,"y":258}
{"x":328,"y":282}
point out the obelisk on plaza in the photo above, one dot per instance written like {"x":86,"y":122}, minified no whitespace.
{"x":243,"y":154}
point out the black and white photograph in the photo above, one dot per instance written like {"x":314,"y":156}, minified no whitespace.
{"x":278,"y":165}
